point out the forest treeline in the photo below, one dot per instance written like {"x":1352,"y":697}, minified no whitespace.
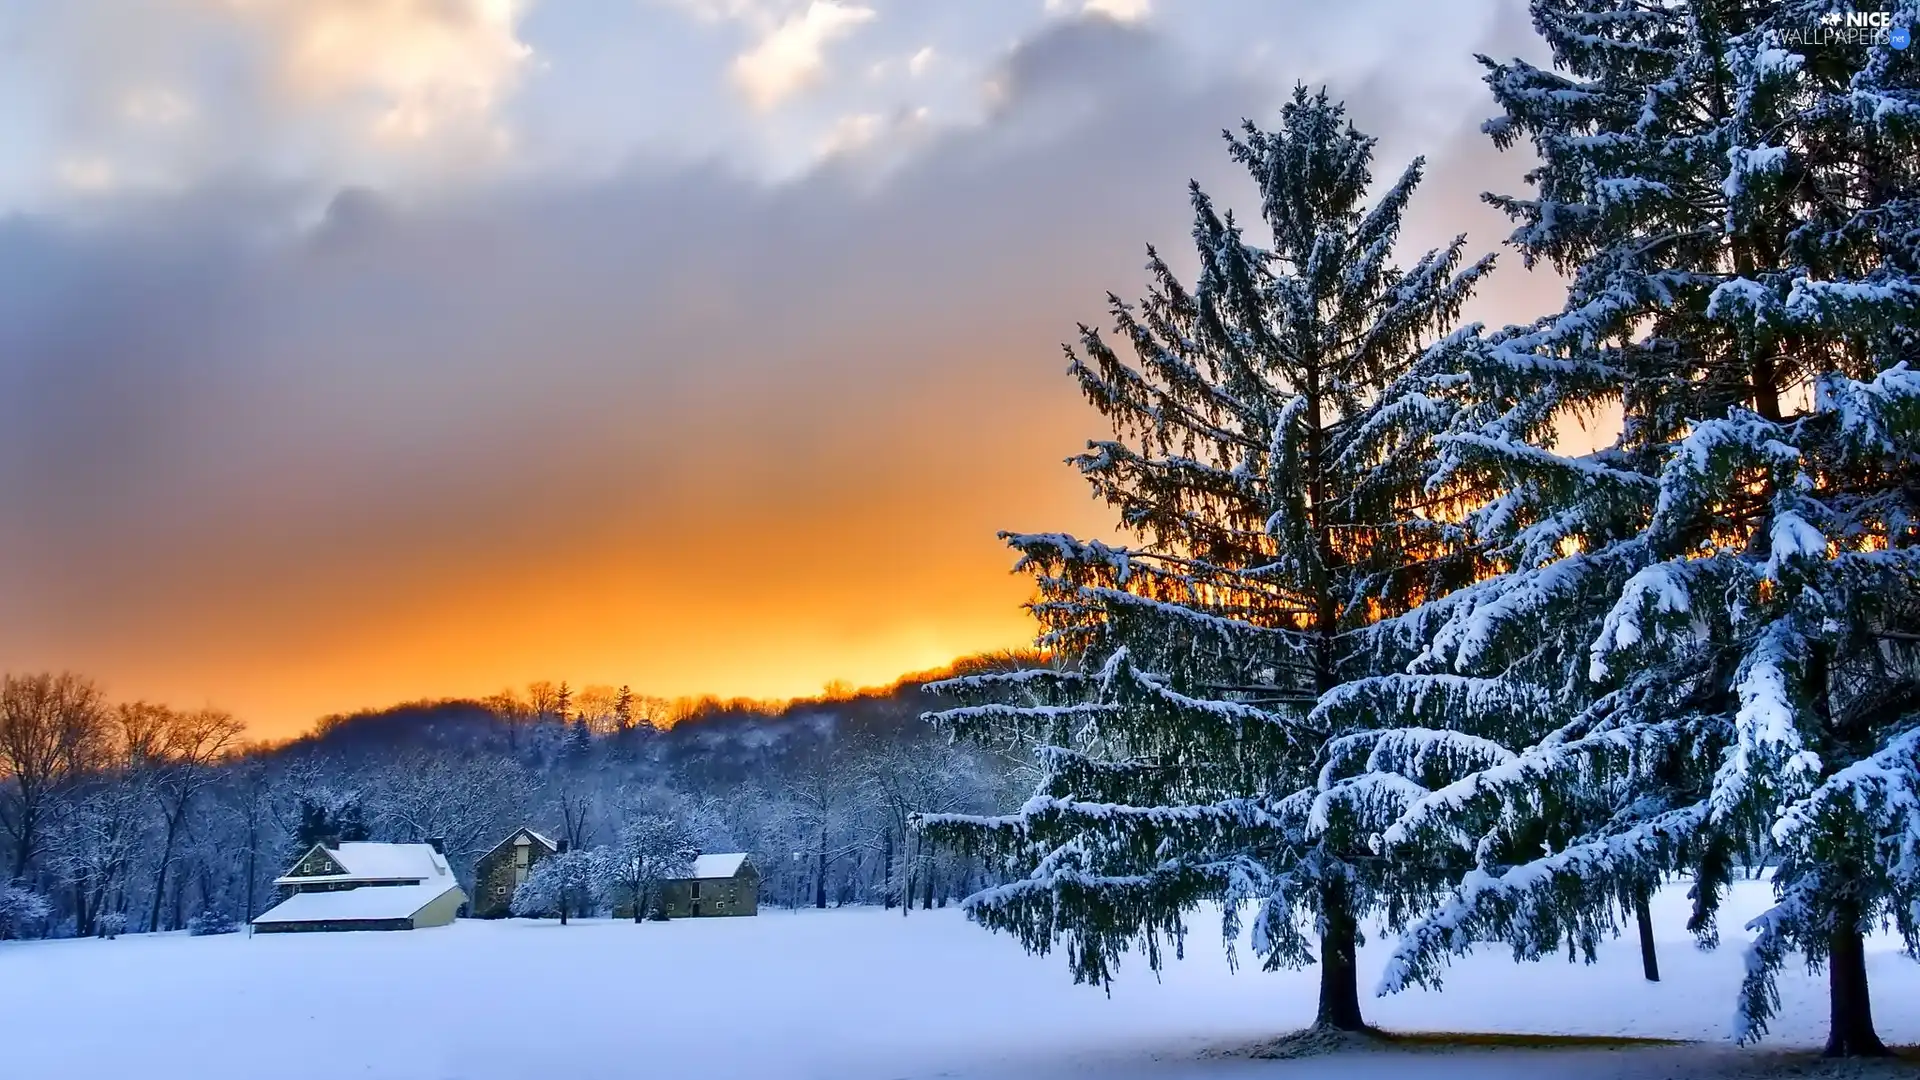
{"x":121,"y":816}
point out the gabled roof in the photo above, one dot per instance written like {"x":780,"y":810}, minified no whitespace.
{"x":717,"y":866}
{"x":538,"y":838}
{"x":368,"y":903}
{"x":372,"y":861}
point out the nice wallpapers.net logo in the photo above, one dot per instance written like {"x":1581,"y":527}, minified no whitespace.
{"x":1861,"y":28}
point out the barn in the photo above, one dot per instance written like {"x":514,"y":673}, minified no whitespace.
{"x":720,"y":885}
{"x":501,"y":870}
{"x":362,"y":885}
{"x":716,"y":886}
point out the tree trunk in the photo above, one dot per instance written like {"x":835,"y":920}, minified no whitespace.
{"x":26,"y":836}
{"x":1339,"y":967}
{"x":1643,"y":914}
{"x":926,"y":897}
{"x":820,"y":877}
{"x":82,"y":910}
{"x":640,"y":897}
{"x":160,"y":876}
{"x":886,"y":871}
{"x":907,"y":873}
{"x":1851,"y":1031}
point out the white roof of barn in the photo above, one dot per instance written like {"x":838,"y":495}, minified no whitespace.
{"x":372,"y":861}
{"x":364,"y":904}
{"x":718,"y":866}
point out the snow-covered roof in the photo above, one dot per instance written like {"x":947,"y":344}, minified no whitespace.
{"x":372,"y":861}
{"x":718,"y":866}
{"x":513,"y":839}
{"x":366,"y":903}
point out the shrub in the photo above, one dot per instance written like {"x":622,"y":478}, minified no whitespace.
{"x":212,"y":921}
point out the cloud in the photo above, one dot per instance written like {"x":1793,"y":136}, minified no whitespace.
{"x":791,"y":57}
{"x":417,"y":67}
{"x":920,"y":61}
{"x":1118,"y":10}
{"x":674,"y":426}
{"x":175,"y":92}
{"x":1123,"y":10}
{"x":851,"y":133}
{"x":87,"y":174}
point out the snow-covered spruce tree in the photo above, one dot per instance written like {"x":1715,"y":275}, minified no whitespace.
{"x":1721,"y":604}
{"x":1254,"y":470}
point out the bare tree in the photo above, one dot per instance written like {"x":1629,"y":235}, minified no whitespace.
{"x":247,"y":792}
{"x":51,"y":728}
{"x":177,"y":751}
{"x":466,"y":801}
{"x":824,"y":792}
{"x":576,"y":803}
{"x":544,"y":700}
{"x":560,"y":884}
{"x":93,"y":833}
{"x":902,"y":780}
{"x":601,"y":707}
{"x":651,"y":849}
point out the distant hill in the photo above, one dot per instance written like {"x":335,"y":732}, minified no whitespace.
{"x":709,"y":735}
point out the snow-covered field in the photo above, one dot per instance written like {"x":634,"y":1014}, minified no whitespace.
{"x":848,"y":995}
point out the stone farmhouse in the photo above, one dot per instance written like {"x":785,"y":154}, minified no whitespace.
{"x":720,"y":885}
{"x":501,"y":870}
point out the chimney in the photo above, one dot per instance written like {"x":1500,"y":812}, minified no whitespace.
{"x":438,"y":844}
{"x":563,"y":846}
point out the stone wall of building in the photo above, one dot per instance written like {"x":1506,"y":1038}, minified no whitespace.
{"x":499,"y":872}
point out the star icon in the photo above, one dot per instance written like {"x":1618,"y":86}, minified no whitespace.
{"x":1831,"y":18}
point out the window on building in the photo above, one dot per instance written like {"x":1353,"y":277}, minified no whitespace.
{"x":693,"y":891}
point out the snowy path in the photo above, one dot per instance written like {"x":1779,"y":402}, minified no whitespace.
{"x":846,"y":995}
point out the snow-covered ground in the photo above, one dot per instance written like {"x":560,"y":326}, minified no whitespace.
{"x":849,"y":995}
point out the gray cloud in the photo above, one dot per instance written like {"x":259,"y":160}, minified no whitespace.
{"x":223,"y":438}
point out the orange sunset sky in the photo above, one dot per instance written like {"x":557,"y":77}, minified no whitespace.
{"x":357,"y":351}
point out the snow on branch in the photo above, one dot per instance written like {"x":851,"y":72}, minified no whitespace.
{"x":1767,"y":751}
{"x":1657,"y":590}
{"x":1875,"y":417}
{"x":1884,"y":789}
{"x":1701,"y":466}
{"x":1453,"y":701}
{"x":1536,"y":905}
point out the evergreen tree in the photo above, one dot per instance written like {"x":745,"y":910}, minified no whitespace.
{"x":328,"y":815}
{"x":1718,"y":606}
{"x":623,"y":708}
{"x":1255,"y":465}
{"x":578,"y":744}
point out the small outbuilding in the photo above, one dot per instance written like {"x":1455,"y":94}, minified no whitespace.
{"x":501,"y":870}
{"x":720,"y":885}
{"x":362,"y":885}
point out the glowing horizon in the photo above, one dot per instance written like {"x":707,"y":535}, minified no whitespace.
{"x":347,"y":377}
